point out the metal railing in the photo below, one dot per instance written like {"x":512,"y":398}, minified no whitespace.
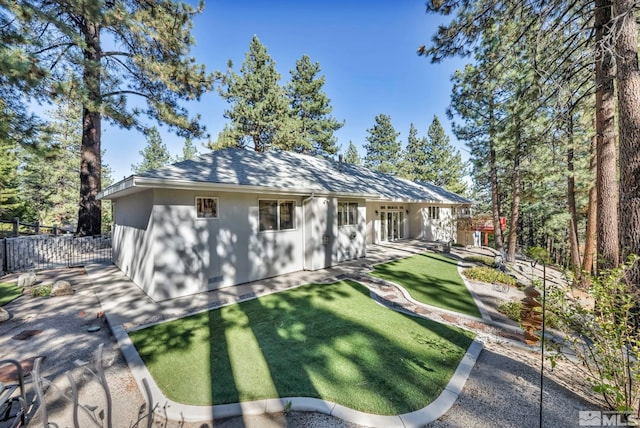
{"x":48,"y":252}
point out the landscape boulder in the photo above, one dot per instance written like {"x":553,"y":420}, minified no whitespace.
{"x":27,"y":279}
{"x":61,"y":288}
{"x":4,"y":315}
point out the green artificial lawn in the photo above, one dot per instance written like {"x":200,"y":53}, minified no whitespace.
{"x":432,"y":279}
{"x":9,"y":292}
{"x":329,"y":341}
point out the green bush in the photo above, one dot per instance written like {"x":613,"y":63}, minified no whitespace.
{"x":604,"y":337}
{"x":538,"y":253}
{"x":487,"y":274}
{"x":41,"y":291}
{"x":485,"y":260}
{"x":512,"y":309}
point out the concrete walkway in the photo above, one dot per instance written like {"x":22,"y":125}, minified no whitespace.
{"x":127,"y":308}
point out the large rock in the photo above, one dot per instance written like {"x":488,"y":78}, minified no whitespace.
{"x":27,"y":279}
{"x":4,"y":315}
{"x":61,"y":288}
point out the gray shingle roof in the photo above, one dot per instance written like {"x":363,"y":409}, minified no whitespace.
{"x":288,"y":171}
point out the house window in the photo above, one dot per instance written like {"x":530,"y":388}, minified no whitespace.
{"x":347,"y":213}
{"x":277,"y":215}
{"x":434,"y":213}
{"x":206,"y":207}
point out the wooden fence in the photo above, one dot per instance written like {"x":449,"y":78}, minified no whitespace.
{"x":47,"y":252}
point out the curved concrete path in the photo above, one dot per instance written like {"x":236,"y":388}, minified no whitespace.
{"x":127,"y":308}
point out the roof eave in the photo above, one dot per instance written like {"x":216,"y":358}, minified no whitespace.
{"x":136,"y":184}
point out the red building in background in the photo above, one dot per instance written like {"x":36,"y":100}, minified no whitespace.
{"x":482,"y":225}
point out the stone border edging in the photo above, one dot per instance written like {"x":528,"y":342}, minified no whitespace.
{"x":191,"y":413}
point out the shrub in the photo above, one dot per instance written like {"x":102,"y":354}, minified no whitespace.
{"x":538,"y":253}
{"x":42,"y":291}
{"x":605,"y":337}
{"x":487,"y":261}
{"x":486,"y":274}
{"x":511,"y":309}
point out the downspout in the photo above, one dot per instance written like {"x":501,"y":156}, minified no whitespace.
{"x":304,"y":228}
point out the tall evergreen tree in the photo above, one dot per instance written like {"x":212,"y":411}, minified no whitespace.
{"x":66,"y":135}
{"x":154,"y":155}
{"x":10,"y":203}
{"x":151,"y":60}
{"x":628,"y":84}
{"x":189,"y":151}
{"x":383,"y":148}
{"x":258,"y":107}
{"x":311,"y":106}
{"x":514,"y":94}
{"x":351,"y":156}
{"x":434,"y":159}
{"x":415,"y":156}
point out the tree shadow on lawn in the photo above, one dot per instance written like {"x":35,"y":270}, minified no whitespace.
{"x":440,"y":258}
{"x":431,"y":289}
{"x":332,"y":342}
{"x":329,"y":341}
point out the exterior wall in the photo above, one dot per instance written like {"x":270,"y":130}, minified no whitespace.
{"x":161,"y":245}
{"x":424,"y":228}
{"x":195,"y":255}
{"x":372,"y":223}
{"x":133,"y":248}
{"x":327,"y":243}
{"x":350,"y":242}
{"x":185,"y":247}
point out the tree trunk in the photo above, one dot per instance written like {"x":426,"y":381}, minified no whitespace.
{"x":89,"y":215}
{"x":493,"y":177}
{"x":515,"y":199}
{"x":606,"y":176}
{"x":590,"y":235}
{"x":628,"y":82}
{"x":574,"y":244}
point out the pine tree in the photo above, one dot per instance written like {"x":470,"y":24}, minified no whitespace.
{"x":50,"y":179}
{"x":434,"y":159}
{"x":310,"y":105}
{"x":351,"y":156}
{"x":151,"y":61}
{"x":628,"y":85}
{"x":10,"y":203}
{"x":414,"y":156}
{"x":189,"y":151}
{"x":66,"y":135}
{"x":258,"y":106}
{"x":106,"y":214}
{"x":154,"y":155}
{"x":383,"y":148}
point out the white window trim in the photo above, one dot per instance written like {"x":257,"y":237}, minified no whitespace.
{"x":434,"y":209}
{"x":195,"y":203}
{"x":347,"y":224}
{"x":279,"y":201}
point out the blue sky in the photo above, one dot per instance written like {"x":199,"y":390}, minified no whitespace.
{"x":366,"y":50}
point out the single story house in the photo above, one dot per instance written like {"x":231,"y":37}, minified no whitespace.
{"x":234,"y":216}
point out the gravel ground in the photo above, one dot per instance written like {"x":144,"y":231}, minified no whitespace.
{"x":502,"y":390}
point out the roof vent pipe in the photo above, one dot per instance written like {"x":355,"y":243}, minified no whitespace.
{"x":340,"y":162}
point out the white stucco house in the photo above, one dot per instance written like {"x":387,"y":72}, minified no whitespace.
{"x":235,"y":216}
